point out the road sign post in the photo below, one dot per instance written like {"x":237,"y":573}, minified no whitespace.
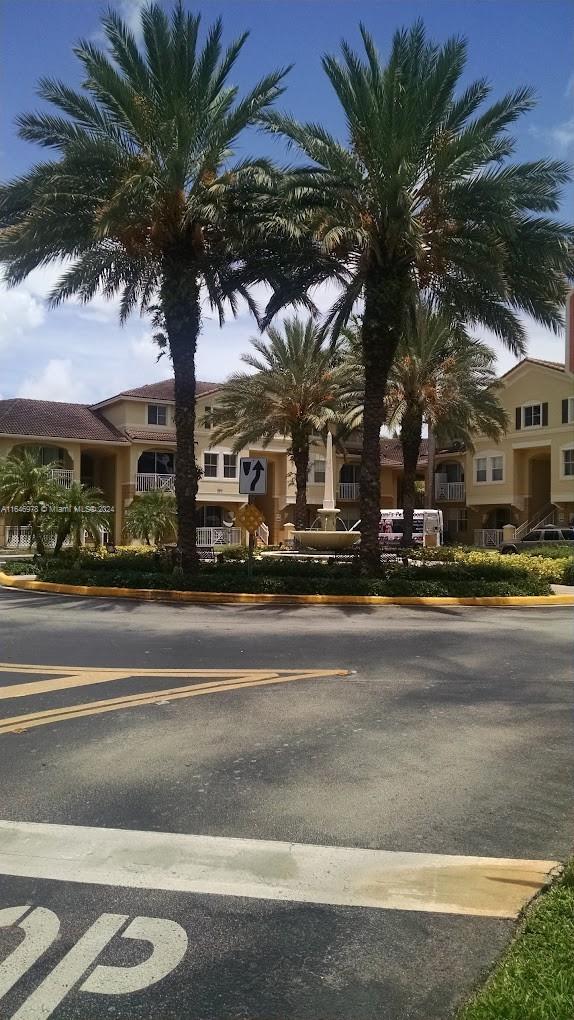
{"x":249,"y":517}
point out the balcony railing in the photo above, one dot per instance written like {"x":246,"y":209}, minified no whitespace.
{"x":149,"y":482}
{"x":488,"y":538}
{"x":348,"y":490}
{"x":208,"y":537}
{"x":62,"y":476}
{"x":449,"y":491}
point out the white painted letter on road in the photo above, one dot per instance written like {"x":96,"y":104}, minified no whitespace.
{"x":168,"y":940}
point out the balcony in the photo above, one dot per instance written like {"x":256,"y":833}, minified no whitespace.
{"x":62,"y":476}
{"x":208,"y":537}
{"x":151,"y":482}
{"x":449,"y":492}
{"x":348,"y":490}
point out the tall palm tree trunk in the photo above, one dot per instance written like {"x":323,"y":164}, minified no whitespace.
{"x":182,"y":314}
{"x":301,"y":460}
{"x":381,"y":331}
{"x":411,"y":436}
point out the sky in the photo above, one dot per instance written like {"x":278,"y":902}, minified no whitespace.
{"x":80,"y":352}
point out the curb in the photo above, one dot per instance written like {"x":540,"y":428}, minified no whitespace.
{"x":242,"y":598}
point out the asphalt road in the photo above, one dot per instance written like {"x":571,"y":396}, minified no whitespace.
{"x":450,"y":734}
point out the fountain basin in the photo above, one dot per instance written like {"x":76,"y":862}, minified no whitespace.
{"x":326,"y":539}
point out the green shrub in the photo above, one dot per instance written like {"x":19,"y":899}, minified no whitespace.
{"x":435,"y":580}
{"x":232,"y":552}
{"x":15,"y":567}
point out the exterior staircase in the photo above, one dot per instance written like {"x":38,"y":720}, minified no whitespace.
{"x":542,"y":518}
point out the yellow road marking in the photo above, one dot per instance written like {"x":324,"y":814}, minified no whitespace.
{"x":89,"y":677}
{"x":253,"y":678}
{"x":18,"y":667}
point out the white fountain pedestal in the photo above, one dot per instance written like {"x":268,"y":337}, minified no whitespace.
{"x":328,"y":518}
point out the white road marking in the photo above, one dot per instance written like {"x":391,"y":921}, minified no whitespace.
{"x":262,"y":869}
{"x":54,"y":988}
{"x":169,"y":942}
{"x":40,"y":929}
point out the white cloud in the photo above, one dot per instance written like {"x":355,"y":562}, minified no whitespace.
{"x":563,"y":134}
{"x":20,"y":312}
{"x":540,"y":343}
{"x":130,"y":12}
{"x":55,"y":382}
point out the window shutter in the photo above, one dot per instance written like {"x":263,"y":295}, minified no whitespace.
{"x":518,"y":418}
{"x":565,"y":411}
{"x":545,"y":414}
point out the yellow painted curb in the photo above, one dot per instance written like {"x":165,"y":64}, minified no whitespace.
{"x":159,"y":595}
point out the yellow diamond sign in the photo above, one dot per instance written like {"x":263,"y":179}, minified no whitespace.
{"x":249,"y":517}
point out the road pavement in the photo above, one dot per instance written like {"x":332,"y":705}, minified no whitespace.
{"x":376,"y":790}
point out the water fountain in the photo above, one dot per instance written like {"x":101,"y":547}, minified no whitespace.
{"x":327,"y":538}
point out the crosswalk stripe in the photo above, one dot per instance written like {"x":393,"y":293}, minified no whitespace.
{"x":264,"y":869}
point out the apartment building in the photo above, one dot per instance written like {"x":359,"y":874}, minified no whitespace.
{"x":125,"y":445}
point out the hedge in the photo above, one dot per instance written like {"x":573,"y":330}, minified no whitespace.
{"x":437,"y":580}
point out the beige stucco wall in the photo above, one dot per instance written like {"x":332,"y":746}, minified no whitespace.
{"x":522,"y":485}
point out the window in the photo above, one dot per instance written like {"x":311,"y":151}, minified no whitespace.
{"x":156,"y":414}
{"x":481,"y":469}
{"x":496,"y":469}
{"x":210,"y":464}
{"x":209,"y":516}
{"x":319,"y":471}
{"x":490,"y":468}
{"x":533,"y":536}
{"x":532,"y":415}
{"x":456,"y":521}
{"x":568,"y":462}
{"x":552,"y":536}
{"x":207,"y":419}
{"x":156,"y":462}
{"x":568,"y":410}
{"x":229,"y":465}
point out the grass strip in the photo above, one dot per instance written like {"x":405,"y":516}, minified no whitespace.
{"x":534,"y":980}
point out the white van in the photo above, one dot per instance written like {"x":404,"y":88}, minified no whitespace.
{"x":391,"y":525}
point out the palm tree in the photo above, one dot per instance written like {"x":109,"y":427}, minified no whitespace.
{"x":441,"y":377}
{"x":423,"y":197}
{"x":28,"y":491}
{"x":151,"y":517}
{"x":295,"y":392}
{"x":78,"y":509}
{"x":143,"y":196}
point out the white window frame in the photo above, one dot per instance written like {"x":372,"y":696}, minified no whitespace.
{"x":480,"y":481}
{"x":319,"y":481}
{"x":211,"y":453}
{"x":531,"y":403}
{"x":158,"y":408}
{"x":570,"y":411}
{"x":563,"y":451}
{"x":489,"y":456}
{"x":497,"y":457}
{"x":232,"y":456}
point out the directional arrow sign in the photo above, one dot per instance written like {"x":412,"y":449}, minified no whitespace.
{"x":253,"y":476}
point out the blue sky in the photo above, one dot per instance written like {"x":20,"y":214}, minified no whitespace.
{"x":80,"y":352}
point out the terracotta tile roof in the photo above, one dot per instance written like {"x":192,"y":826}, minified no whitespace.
{"x":163,"y":390}
{"x":558,"y":366}
{"x":151,"y":435}
{"x":55,"y":419}
{"x":392,"y":453}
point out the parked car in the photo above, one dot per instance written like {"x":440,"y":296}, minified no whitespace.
{"x":540,"y":536}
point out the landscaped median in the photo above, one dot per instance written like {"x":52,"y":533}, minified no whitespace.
{"x":535,"y":978}
{"x":482,"y":578}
